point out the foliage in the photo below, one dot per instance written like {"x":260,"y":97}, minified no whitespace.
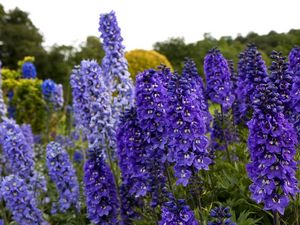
{"x":140,"y":60}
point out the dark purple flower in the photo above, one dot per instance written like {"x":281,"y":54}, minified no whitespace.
{"x":28,"y":70}
{"x":177,"y":212}
{"x":100,"y":192}
{"x":62,"y":173}
{"x":218,"y":83}
{"x":221,"y":216}
{"x":186,"y":129}
{"x":251,"y":71}
{"x":190,"y":73}
{"x":3,"y":108}
{"x":78,"y":156}
{"x":271,"y":143}
{"x":20,"y":201}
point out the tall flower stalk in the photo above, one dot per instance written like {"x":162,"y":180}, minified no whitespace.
{"x":3,"y":108}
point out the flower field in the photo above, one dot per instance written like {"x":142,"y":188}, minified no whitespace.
{"x":168,"y":148}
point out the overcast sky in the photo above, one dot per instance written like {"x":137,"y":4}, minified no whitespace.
{"x":145,"y":22}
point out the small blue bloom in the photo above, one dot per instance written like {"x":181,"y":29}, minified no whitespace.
{"x":28,"y":70}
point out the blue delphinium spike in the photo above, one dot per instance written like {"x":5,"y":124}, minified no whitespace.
{"x":28,"y":70}
{"x":221,"y":215}
{"x":218,"y":83}
{"x":62,"y":173}
{"x":20,"y":201}
{"x":3,"y":108}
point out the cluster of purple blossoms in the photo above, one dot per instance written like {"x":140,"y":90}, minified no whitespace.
{"x":221,"y":216}
{"x":151,"y":114}
{"x":20,"y":201}
{"x":177,"y":212}
{"x":294,"y":67}
{"x":28,"y":71}
{"x":190,"y":73}
{"x":271,"y":143}
{"x":100,"y":192}
{"x":132,"y":161}
{"x":282,"y":78}
{"x":251,"y":71}
{"x":188,"y":146}
{"x":53,"y":93}
{"x":16,"y":149}
{"x":80,"y":101}
{"x":62,"y":173}
{"x":3,"y":108}
{"x":27,"y":132}
{"x":218,"y":83}
{"x":115,"y":65}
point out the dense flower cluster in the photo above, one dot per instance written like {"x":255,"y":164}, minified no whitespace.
{"x":271,"y":143}
{"x":294,"y":67}
{"x":20,"y":201}
{"x":100,"y":192}
{"x":177,"y":212}
{"x":151,"y":102}
{"x":53,"y":93}
{"x":221,"y":216}
{"x":186,"y":129}
{"x":282,"y":78}
{"x":3,"y":108}
{"x":63,"y":175}
{"x":114,"y":64}
{"x":28,"y":70}
{"x":27,"y":132}
{"x":17,"y":150}
{"x":218,"y":83}
{"x":132,"y":164}
{"x":251,"y":71}
{"x":190,"y":73}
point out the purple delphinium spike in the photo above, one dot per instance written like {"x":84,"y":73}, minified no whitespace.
{"x":190,"y":73}
{"x":132,"y":161}
{"x":100,"y":192}
{"x":17,"y":150}
{"x":271,"y":143}
{"x":3,"y":108}
{"x":186,"y":129}
{"x":151,"y":102}
{"x":57,"y":98}
{"x":27,"y":132}
{"x":282,"y":78}
{"x":177,"y":212}
{"x":221,"y":215}
{"x":218,"y":83}
{"x":62,"y":173}
{"x":114,"y":64}
{"x":20,"y":201}
{"x":80,"y":101}
{"x":28,"y":71}
{"x":251,"y":71}
{"x":294,"y":67}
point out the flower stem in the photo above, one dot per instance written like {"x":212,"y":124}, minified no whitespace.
{"x":276,"y":219}
{"x":224,"y":135}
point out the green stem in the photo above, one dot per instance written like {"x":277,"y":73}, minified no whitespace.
{"x":276,"y":219}
{"x":224,"y":135}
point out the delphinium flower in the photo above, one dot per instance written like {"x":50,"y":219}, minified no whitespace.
{"x":177,"y":212}
{"x":11,"y":111}
{"x":27,"y":132}
{"x":221,"y":216}
{"x":114,"y":64}
{"x":100,"y":192}
{"x":294,"y":67}
{"x":282,"y":78}
{"x":3,"y":108}
{"x":78,"y":156}
{"x":48,"y":88}
{"x":2,"y":222}
{"x":57,"y":98}
{"x":80,"y":100}
{"x":218,"y":83}
{"x":17,"y":150}
{"x":151,"y":102}
{"x":186,"y":129}
{"x":271,"y":144}
{"x":251,"y":71}
{"x":62,"y":173}
{"x":20,"y":201}
{"x":190,"y":72}
{"x":132,"y":162}
{"x":28,"y":70}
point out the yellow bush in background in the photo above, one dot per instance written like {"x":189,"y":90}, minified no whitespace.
{"x":140,"y":60}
